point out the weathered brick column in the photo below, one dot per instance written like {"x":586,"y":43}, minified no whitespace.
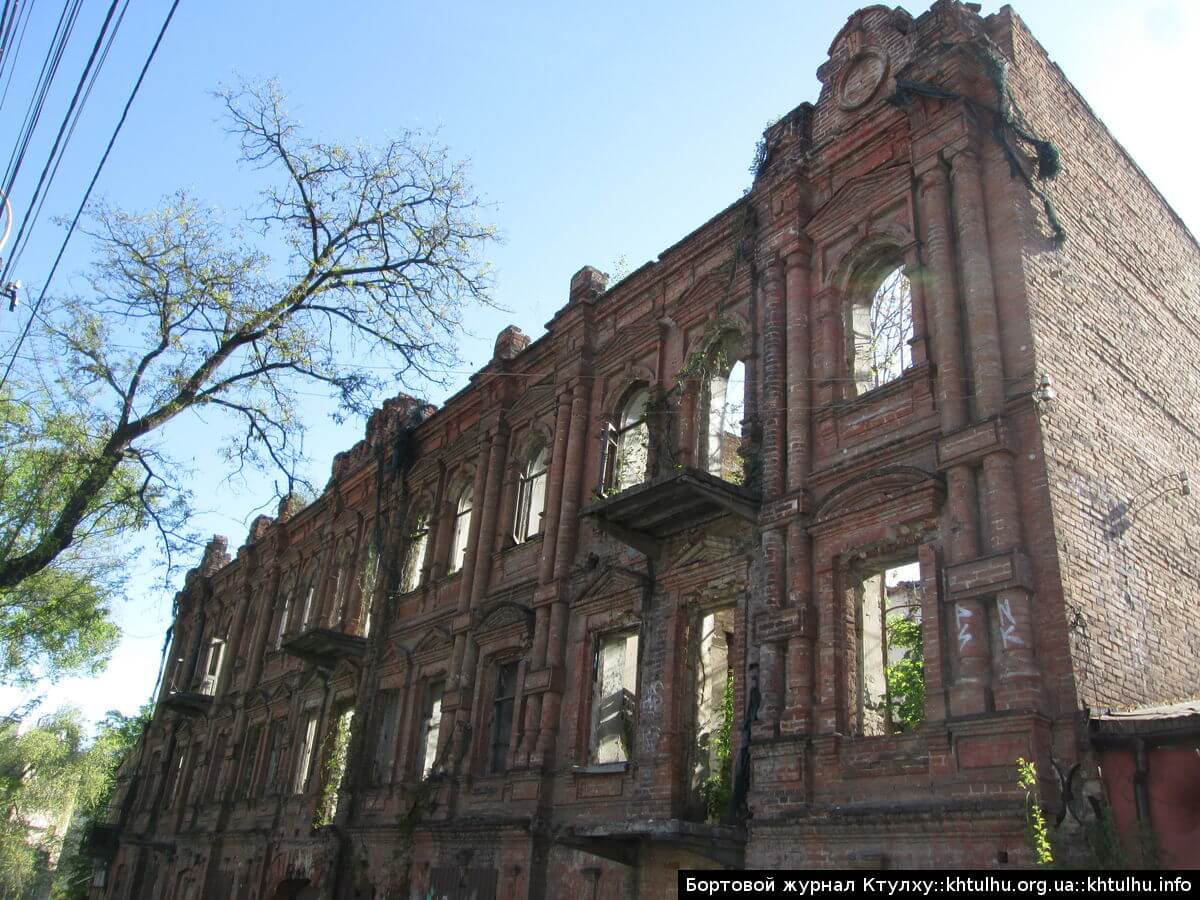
{"x":774,"y":438}
{"x":489,"y":518}
{"x":1016,"y":676}
{"x":798,"y":678}
{"x":564,"y":555}
{"x":462,"y":670}
{"x":969,"y":653}
{"x":544,"y":596}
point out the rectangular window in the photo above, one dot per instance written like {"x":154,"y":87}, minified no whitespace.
{"x":308,"y":604}
{"x":431,"y":726}
{"x":175,"y":787}
{"x":712,"y":762}
{"x":250,"y":754}
{"x":212,"y":666}
{"x":889,"y":666}
{"x":388,"y":703}
{"x":215,"y":763}
{"x":614,"y":698}
{"x":152,"y":775}
{"x":502,"y":716}
{"x":304,"y":759}
{"x":268,"y":782}
{"x":281,"y":631}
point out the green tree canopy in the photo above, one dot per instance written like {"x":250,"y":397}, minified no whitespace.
{"x":48,"y":772}
{"x":354,"y":252}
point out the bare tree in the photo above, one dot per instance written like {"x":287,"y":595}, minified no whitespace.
{"x":379,"y":254}
{"x":882,"y":333}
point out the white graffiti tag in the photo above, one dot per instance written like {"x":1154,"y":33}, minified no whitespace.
{"x":1008,"y":626}
{"x":964,"y":617}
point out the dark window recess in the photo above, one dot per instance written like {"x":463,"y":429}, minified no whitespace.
{"x":502,"y":716}
{"x":270,"y":778}
{"x":249,"y":761}
{"x":385,"y":744}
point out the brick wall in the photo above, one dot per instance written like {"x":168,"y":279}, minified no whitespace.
{"x":1116,"y":323}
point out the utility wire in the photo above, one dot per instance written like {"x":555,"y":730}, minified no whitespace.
{"x":10,"y":57}
{"x":83,"y":203}
{"x":54,"y":55}
{"x":46,"y":177}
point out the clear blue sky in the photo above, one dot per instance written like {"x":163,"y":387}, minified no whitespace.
{"x":598,"y":131}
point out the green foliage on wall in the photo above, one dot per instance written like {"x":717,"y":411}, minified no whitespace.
{"x":906,"y":676}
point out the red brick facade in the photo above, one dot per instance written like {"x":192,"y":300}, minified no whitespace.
{"x":1053,"y":546}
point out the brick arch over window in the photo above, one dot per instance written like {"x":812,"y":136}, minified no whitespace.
{"x":460,"y":506}
{"x":626,"y":445}
{"x":880,"y":314}
{"x":722,"y":403}
{"x":529,"y":476}
{"x":416,"y":542}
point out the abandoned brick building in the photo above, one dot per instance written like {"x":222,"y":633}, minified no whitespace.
{"x":648,"y":593}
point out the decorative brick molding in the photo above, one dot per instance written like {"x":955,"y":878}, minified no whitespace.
{"x":972,"y":443}
{"x":987,"y":575}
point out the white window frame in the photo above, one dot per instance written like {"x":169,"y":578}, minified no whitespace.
{"x":531,"y":496}
{"x":460,"y":534}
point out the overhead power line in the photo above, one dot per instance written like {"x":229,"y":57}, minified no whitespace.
{"x":47,"y":171}
{"x":87,"y":194}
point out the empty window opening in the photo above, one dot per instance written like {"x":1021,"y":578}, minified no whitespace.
{"x":712,"y":757}
{"x":269,"y":780}
{"x":531,"y":497}
{"x":212,"y":666}
{"x":308,"y":604}
{"x":431,"y":726}
{"x":250,"y":754}
{"x":462,"y":523}
{"x":337,"y":748}
{"x":503,"y":701}
{"x":284,"y":612}
{"x":882,"y":333}
{"x":890,"y":683}
{"x":339,"y":595}
{"x":304,"y":758}
{"x":414,"y":562}
{"x":367,"y":581}
{"x":388,"y":702}
{"x":627,"y":447}
{"x":725,"y":401}
{"x":614,"y":698}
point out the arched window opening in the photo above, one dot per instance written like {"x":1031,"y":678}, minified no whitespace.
{"x":531,"y":497}
{"x":414,"y":562}
{"x":627,"y":450}
{"x":882,"y":332}
{"x":462,"y":523}
{"x":725,"y":407}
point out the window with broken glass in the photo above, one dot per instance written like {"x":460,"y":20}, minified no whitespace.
{"x":212,"y":666}
{"x":531,"y":497}
{"x":627,"y":445}
{"x":614,"y":698}
{"x":431,"y":726}
{"x":414,"y":561}
{"x":724,"y":409}
{"x":304,"y":759}
{"x":462,"y":526}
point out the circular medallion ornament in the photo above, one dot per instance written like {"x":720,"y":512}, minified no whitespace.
{"x":862,"y":79}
